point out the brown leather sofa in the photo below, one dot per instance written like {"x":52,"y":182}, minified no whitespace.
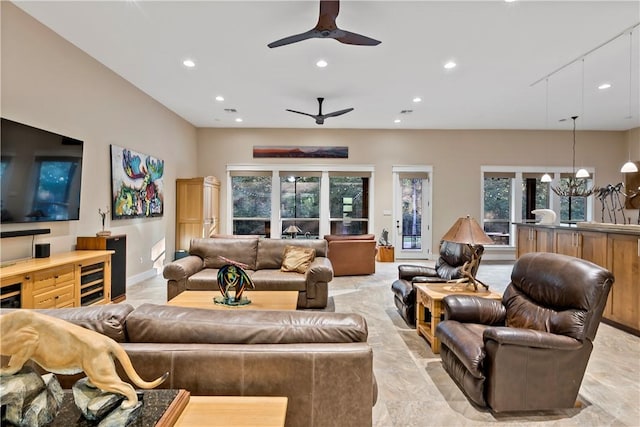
{"x":320,"y":361}
{"x":199,"y":270}
{"x":529,"y":351}
{"x":448,"y":267}
{"x":352,"y":255}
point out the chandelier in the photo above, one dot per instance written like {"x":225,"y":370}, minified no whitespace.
{"x":575,"y":185}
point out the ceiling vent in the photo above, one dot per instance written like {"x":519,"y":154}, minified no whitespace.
{"x":406,"y":111}
{"x":230,"y":110}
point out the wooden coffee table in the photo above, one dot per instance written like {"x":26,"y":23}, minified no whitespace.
{"x":260,"y":300}
{"x":237,"y":411}
{"x":429,"y":296}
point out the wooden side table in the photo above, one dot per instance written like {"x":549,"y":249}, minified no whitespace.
{"x":385,"y":254}
{"x":429,"y":296}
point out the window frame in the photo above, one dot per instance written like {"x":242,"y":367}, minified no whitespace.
{"x":516,"y":196}
{"x":278,"y":170}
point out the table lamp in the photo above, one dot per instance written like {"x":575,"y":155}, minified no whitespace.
{"x":466,"y":230}
{"x":292,"y":230}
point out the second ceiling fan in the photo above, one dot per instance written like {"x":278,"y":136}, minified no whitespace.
{"x":326,"y":28}
{"x":320,"y":117}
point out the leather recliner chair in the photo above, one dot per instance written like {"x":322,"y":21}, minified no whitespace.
{"x":352,"y":255}
{"x":530,"y":350}
{"x":448,"y":267}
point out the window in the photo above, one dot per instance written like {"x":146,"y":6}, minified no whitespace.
{"x":349,"y":204}
{"x":535,"y":195}
{"x":573,"y":209}
{"x":303,"y":201}
{"x":251,"y":205}
{"x":411,"y":189}
{"x":497,"y":208}
{"x":300,"y":206}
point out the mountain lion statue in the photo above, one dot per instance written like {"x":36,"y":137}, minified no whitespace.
{"x":63,"y":348}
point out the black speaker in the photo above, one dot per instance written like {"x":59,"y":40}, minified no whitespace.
{"x":43,"y":250}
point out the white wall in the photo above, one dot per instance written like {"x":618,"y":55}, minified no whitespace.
{"x":49,"y":83}
{"x":456,"y":157}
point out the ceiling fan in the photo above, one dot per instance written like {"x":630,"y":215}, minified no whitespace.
{"x":320,"y":117}
{"x":326,"y":28}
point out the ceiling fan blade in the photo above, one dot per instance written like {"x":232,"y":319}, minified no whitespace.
{"x":329,"y":10}
{"x":337,"y":113}
{"x":300,"y":112}
{"x":295,"y":38}
{"x":357,"y":39}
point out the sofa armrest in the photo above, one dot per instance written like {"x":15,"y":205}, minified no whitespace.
{"x":472,"y":309}
{"x":183,"y":268}
{"x":320,"y":270}
{"x":408,"y":272}
{"x":530,"y":338}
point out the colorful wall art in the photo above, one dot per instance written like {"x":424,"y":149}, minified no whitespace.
{"x":295,"y":151}
{"x":136,"y":184}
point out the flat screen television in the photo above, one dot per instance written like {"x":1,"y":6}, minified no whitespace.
{"x":41,"y":175}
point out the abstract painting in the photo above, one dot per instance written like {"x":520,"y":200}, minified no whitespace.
{"x":136,"y":184}
{"x":301,"y":152}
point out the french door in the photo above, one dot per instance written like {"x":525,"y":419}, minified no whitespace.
{"x":412,"y":212}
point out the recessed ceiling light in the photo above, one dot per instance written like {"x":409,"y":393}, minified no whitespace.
{"x":604,"y":86}
{"x":189,"y":63}
{"x":238,"y":119}
{"x":321,"y":63}
{"x":509,"y":1}
{"x":220,"y":98}
{"x":417,"y":99}
{"x":449,"y":65}
{"x":397,"y":121}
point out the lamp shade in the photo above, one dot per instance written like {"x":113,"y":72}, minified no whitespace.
{"x":467,"y":230}
{"x":546,"y":178}
{"x":292,"y":229}
{"x":629,"y":167}
{"x":582,"y":173}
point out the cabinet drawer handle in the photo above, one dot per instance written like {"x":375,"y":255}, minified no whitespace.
{"x":638,"y":247}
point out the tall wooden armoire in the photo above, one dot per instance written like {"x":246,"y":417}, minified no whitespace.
{"x":197,"y":209}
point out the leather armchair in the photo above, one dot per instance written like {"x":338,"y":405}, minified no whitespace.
{"x":448,"y":267}
{"x":352,"y":255}
{"x":529,"y":351}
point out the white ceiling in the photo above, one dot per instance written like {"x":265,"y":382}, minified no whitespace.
{"x":501,"y":49}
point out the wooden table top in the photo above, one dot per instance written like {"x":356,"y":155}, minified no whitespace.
{"x":260,"y":300}
{"x":237,"y":411}
{"x":437,"y":291}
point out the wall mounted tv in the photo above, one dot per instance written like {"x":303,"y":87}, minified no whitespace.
{"x":40,"y":176}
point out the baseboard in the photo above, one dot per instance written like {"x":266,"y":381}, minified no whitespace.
{"x":132,"y":280}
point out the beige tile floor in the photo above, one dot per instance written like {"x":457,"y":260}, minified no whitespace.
{"x":414,"y":389}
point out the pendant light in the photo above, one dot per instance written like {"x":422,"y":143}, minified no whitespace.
{"x":546,"y":177}
{"x":630,"y":167}
{"x":574,"y":186}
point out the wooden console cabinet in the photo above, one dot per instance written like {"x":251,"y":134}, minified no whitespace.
{"x":70,"y":279}
{"x":615,"y":249}
{"x":117,"y":244}
{"x":197,"y":209}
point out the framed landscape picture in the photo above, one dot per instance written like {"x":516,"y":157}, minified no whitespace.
{"x":137,"y":189}
{"x":298,"y":151}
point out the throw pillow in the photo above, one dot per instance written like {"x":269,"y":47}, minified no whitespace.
{"x":297,"y":258}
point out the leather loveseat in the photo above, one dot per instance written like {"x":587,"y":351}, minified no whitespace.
{"x":352,"y":255}
{"x":199,"y":270}
{"x":320,"y":361}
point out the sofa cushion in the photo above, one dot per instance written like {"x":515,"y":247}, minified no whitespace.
{"x":297,"y":259}
{"x":152,"y":323}
{"x":270,"y":251}
{"x":240,"y":250}
{"x":108,"y":319}
{"x":276,"y":280}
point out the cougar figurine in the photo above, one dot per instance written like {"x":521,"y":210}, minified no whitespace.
{"x":64,"y":348}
